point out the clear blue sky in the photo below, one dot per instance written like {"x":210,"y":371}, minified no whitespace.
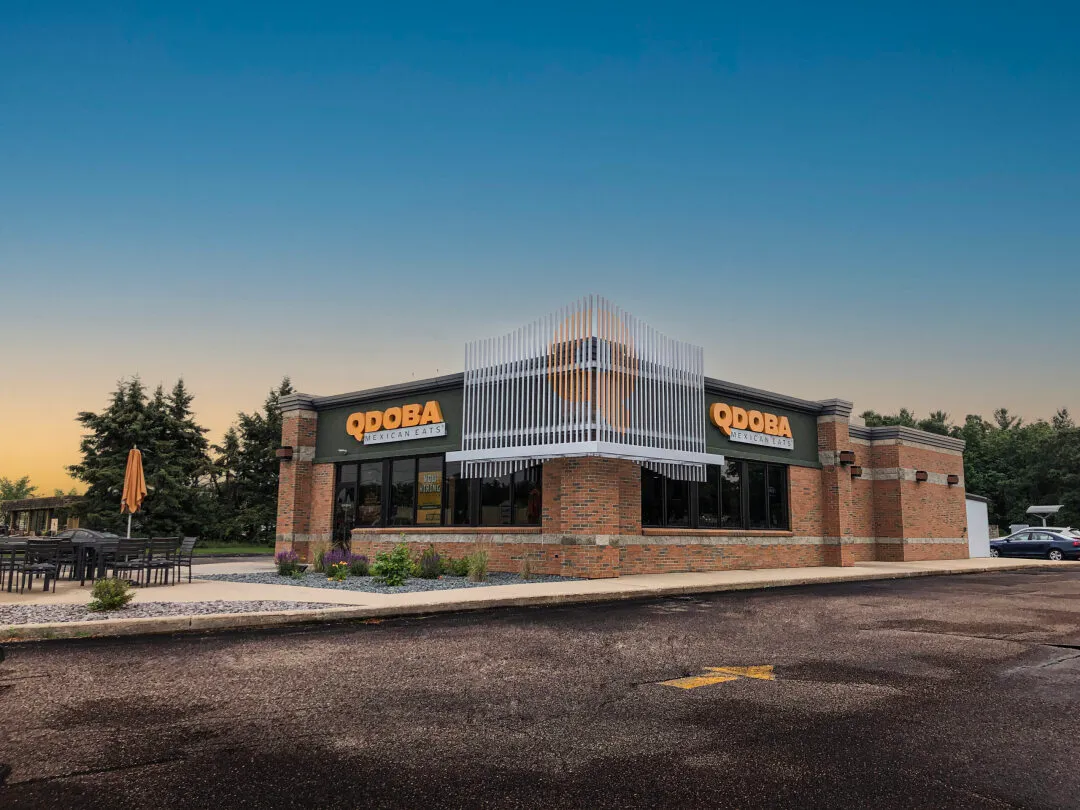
{"x":858,"y":200}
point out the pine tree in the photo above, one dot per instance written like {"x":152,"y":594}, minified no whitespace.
{"x":104,"y":447}
{"x":246,"y":472}
{"x":174,"y":460}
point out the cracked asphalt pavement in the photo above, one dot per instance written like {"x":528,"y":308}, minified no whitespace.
{"x":958,"y":691}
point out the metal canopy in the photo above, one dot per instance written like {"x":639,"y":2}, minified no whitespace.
{"x":1045,"y":511}
{"x":587,"y":380}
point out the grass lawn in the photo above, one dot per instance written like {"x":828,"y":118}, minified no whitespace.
{"x":226,"y":551}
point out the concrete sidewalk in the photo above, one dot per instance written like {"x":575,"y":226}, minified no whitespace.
{"x":359,"y":604}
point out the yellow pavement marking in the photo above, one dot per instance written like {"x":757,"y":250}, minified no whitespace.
{"x":722,"y":675}
{"x":698,"y":680}
{"x":764,"y":673}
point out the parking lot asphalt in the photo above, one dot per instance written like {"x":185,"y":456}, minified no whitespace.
{"x":936,"y":692}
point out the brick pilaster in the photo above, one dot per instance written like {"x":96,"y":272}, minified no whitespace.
{"x":592,"y":496}
{"x":294,"y":512}
{"x":836,"y":512}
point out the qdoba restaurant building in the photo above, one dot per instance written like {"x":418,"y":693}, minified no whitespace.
{"x":593,"y":446}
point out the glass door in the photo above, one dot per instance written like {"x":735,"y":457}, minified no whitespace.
{"x":345,"y":506}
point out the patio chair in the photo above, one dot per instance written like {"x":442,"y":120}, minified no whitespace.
{"x":10,"y":554}
{"x":66,"y":557}
{"x":184,"y":555}
{"x":161,"y":557}
{"x":129,"y":558}
{"x":39,"y":557}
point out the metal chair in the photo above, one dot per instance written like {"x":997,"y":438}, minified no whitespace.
{"x":66,"y":557}
{"x":39,"y":557}
{"x":129,"y":557}
{"x":161,"y":557}
{"x":184,"y":555}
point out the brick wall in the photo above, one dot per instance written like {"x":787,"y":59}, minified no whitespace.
{"x":593,"y":560}
{"x":806,"y":501}
{"x":591,"y":496}
{"x":907,"y":513}
{"x":305,"y":489}
{"x":294,"y":477}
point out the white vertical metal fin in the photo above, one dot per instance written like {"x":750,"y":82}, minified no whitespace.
{"x":587,"y":379}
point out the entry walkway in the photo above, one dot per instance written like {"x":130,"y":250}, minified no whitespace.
{"x":360,"y":604}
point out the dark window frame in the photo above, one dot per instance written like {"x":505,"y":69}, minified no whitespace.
{"x":744,"y":497}
{"x":386,"y":498}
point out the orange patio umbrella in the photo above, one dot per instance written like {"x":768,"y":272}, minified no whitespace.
{"x":134,"y":486}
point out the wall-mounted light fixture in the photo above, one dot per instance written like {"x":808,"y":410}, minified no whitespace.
{"x":284,"y":453}
{"x":921,"y":475}
{"x":847,"y":456}
{"x":856,"y":471}
{"x":953,"y":479}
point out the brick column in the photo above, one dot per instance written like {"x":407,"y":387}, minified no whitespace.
{"x":836,"y":514}
{"x":589,"y":504}
{"x":592,"y":496}
{"x":298,"y":421}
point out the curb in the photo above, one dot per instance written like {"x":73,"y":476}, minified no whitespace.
{"x":107,"y":628}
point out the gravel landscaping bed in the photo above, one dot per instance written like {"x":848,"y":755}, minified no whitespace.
{"x":368,"y":584}
{"x":39,"y":614}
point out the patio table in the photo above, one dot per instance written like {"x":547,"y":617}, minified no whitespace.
{"x":84,"y":546}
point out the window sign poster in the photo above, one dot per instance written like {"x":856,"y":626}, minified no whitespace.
{"x":429,"y":498}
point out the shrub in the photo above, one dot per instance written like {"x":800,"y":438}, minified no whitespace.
{"x":526,"y":567}
{"x":111,"y":594}
{"x":393,"y":568}
{"x":338,"y":571}
{"x":358,"y":565}
{"x":456,"y":567}
{"x":478,"y":563}
{"x":287,"y":563}
{"x":318,"y":553}
{"x":430,"y":564}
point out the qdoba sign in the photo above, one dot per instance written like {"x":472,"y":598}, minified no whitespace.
{"x":752,"y":427}
{"x":397,"y":424}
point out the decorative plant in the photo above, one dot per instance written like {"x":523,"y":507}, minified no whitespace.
{"x":478,"y":565}
{"x":287,"y":562}
{"x":318,"y":552}
{"x":333,"y":557}
{"x":526,"y":567}
{"x":338,"y":571}
{"x":457,"y":567}
{"x":358,"y":565}
{"x":430,"y":563}
{"x":393,"y":568}
{"x":110,"y":594}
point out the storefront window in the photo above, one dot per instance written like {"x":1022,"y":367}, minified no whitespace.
{"x":403,"y":492}
{"x":738,"y":495}
{"x":778,"y":487}
{"x":345,"y":502}
{"x":678,"y":503}
{"x":652,"y":498}
{"x":424,"y":491}
{"x":709,"y":499}
{"x":731,"y":514}
{"x":527,"y":498}
{"x":457,"y":497}
{"x":495,"y":501}
{"x":369,"y":494}
{"x":759,"y":495}
{"x":429,"y":492}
